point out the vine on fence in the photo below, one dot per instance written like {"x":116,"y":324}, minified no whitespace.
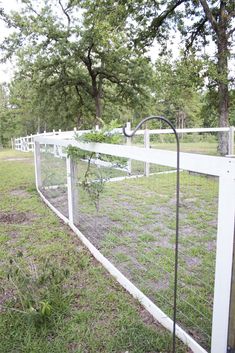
{"x":93,"y":181}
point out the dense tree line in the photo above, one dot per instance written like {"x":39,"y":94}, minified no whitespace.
{"x":84,"y":62}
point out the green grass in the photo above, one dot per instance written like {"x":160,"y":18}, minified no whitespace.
{"x":202,"y":147}
{"x":139,"y":237}
{"x":89,"y":311}
{"x":195,"y":145}
{"x":8,"y":154}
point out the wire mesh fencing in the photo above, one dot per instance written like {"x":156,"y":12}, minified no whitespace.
{"x":132,"y":222}
{"x":130,"y":219}
{"x":54,"y":177}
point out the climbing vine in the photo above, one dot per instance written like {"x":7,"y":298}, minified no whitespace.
{"x":93,"y":180}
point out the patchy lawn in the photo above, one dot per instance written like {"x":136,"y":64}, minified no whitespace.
{"x":135,"y":229}
{"x":54,"y":296}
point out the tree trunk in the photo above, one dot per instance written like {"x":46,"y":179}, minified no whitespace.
{"x":97,"y":98}
{"x":97,"y":108}
{"x":223,"y":92}
{"x":39,"y":125}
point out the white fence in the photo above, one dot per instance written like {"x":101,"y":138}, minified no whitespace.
{"x":221,"y":167}
{"x":25,"y":144}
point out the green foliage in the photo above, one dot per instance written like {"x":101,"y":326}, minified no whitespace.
{"x":76,"y":153}
{"x":93,"y":181}
{"x":76,"y":64}
{"x":177,"y":87}
{"x":7,"y":124}
{"x":80,"y":62}
{"x":106,"y":134}
{"x":197,"y":21}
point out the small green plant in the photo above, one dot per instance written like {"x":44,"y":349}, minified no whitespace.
{"x":107,"y":134}
{"x":93,"y":181}
{"x":37,"y":292}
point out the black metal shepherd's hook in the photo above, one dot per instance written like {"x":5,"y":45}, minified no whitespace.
{"x":177,"y":210}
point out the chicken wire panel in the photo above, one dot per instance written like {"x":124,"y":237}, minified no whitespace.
{"x":132,"y":222}
{"x":54,"y":177}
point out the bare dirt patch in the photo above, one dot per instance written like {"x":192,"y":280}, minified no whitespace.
{"x":16,"y":217}
{"x":5,"y":296}
{"x":19,"y":193}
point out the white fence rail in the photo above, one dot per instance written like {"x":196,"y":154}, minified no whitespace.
{"x":25,"y":144}
{"x":221,"y":167}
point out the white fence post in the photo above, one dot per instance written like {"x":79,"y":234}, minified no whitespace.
{"x":54,"y":146}
{"x":231,"y":141}
{"x":146,"y":145}
{"x":97,"y":128}
{"x":37,"y":164}
{"x":224,"y":259}
{"x":26,"y":143}
{"x":128,"y":142}
{"x":31,"y":143}
{"x":231,"y":328}
{"x":72,"y":190}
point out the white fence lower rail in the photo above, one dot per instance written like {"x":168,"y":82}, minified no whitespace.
{"x":222,"y":167}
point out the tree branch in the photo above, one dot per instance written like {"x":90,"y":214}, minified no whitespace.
{"x":231,"y":14}
{"x":157,"y":22}
{"x":87,"y":60}
{"x":194,"y":34}
{"x":30,"y":7}
{"x":79,"y":95}
{"x":65,"y":12}
{"x":110,"y":77}
{"x":209,"y":15}
{"x":230,"y":32}
{"x":7,"y":19}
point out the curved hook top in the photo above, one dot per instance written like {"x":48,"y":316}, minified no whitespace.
{"x":157,"y":117}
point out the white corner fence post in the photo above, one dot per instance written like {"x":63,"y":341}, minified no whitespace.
{"x":146,"y":145}
{"x":37,"y":164}
{"x":128,"y":142}
{"x":32,"y":144}
{"x":54,"y":146}
{"x":72,"y":190}
{"x":231,"y":141}
{"x":26,"y":143}
{"x":231,"y":328}
{"x":224,"y":260}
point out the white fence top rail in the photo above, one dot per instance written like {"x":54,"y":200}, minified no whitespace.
{"x":140,"y":132}
{"x":182,"y":131}
{"x":217,"y":166}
